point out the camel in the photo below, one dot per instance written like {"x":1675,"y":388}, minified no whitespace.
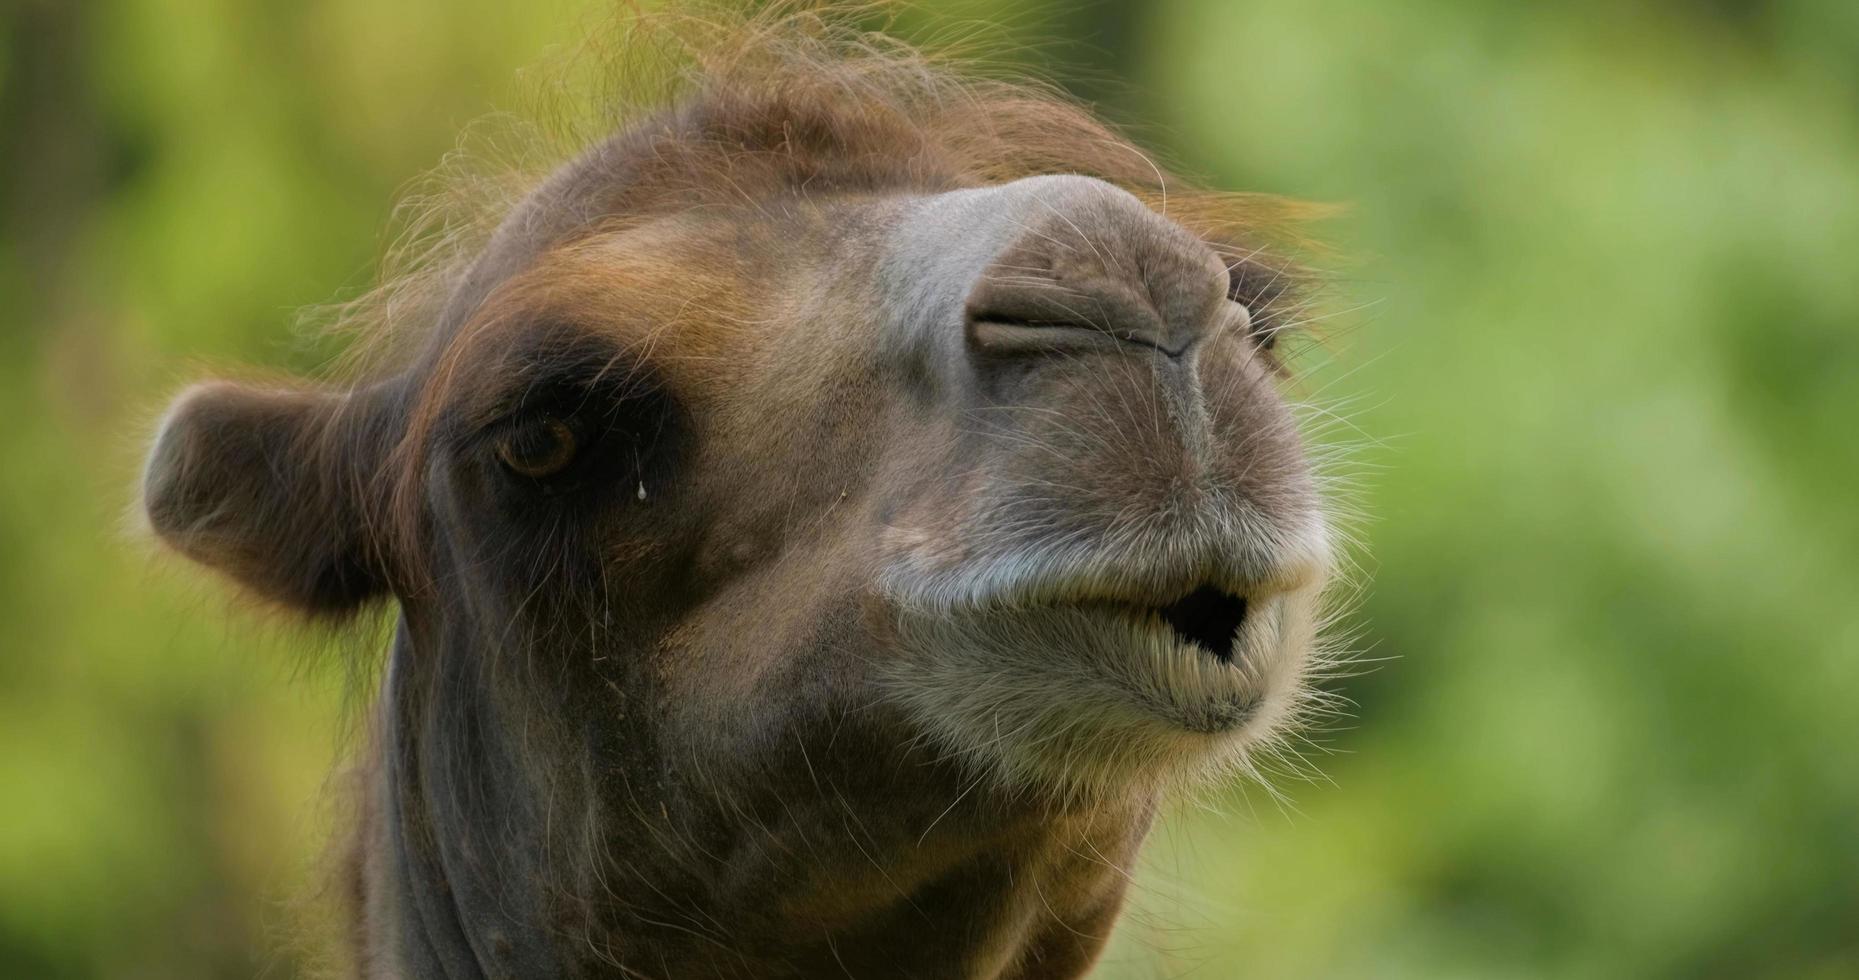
{"x":826,"y":519}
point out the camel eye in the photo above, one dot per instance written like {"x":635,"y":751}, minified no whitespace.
{"x":1265,"y":336}
{"x":1262,"y":291}
{"x":538,"y":448}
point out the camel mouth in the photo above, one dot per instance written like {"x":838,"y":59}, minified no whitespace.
{"x":1207,"y":618}
{"x":1090,"y":671}
{"x":1092,"y":688}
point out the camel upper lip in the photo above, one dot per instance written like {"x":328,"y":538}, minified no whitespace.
{"x":1218,"y":579}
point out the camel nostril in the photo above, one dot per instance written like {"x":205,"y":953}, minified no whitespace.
{"x":1009,"y":334}
{"x":1069,"y":264}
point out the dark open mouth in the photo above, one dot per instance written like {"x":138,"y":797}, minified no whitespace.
{"x":1207,"y":617}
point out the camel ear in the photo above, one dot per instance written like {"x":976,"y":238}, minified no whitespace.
{"x":271,"y":487}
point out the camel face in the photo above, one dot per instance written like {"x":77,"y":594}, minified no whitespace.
{"x":814,"y":531}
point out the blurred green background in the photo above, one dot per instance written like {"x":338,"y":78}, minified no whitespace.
{"x":1607,"y":259}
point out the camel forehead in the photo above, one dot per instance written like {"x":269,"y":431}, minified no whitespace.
{"x":741,"y":315}
{"x":680,"y":291}
{"x":696,"y":161}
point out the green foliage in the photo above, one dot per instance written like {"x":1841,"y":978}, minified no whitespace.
{"x":1601,"y":386}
